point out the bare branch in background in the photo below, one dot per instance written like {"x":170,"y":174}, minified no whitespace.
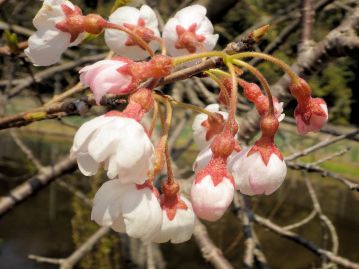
{"x":341,"y":41}
{"x":76,"y":256}
{"x":305,"y":243}
{"x":209,"y":251}
{"x":307,"y":23}
{"x":353,"y":185}
{"x":36,"y":183}
{"x":320,"y":145}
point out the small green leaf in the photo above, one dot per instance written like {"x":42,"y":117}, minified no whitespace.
{"x":12,"y":41}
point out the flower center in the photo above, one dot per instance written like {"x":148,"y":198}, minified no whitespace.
{"x":188,"y":39}
{"x":145,"y":33}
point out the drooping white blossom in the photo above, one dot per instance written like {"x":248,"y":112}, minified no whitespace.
{"x":47,"y":44}
{"x":119,"y":142}
{"x":179,"y":228}
{"x":128,"y":208}
{"x":143,"y":22}
{"x":316,"y":114}
{"x":189,"y":31}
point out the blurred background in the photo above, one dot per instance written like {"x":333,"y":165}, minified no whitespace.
{"x":56,"y":221}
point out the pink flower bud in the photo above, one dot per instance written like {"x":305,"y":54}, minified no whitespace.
{"x":189,"y":31}
{"x":51,"y":39}
{"x":311,"y":116}
{"x":141,"y":21}
{"x":253,"y":176}
{"x":107,"y":76}
{"x":212,"y":190}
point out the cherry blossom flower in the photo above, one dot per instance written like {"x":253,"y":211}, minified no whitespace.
{"x":128,"y":208}
{"x":189,"y":31}
{"x":253,"y":176}
{"x":143,"y":22}
{"x":177,"y":221}
{"x":50,"y":40}
{"x":212,"y":190}
{"x":205,"y":128}
{"x":120,"y":142}
{"x":107,"y":76}
{"x":311,"y":116}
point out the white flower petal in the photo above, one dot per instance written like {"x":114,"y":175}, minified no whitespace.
{"x":86,"y":130}
{"x":115,"y":39}
{"x":87,"y":165}
{"x":120,"y":142}
{"x":46,"y":46}
{"x":179,"y":229}
{"x":149,"y":17}
{"x":253,"y":177}
{"x":107,"y":203}
{"x":141,"y":212}
{"x":191,"y":14}
{"x":210,"y":202}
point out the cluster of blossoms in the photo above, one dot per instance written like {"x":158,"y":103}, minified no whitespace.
{"x":130,"y":202}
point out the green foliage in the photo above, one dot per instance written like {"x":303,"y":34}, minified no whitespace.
{"x":11,"y":39}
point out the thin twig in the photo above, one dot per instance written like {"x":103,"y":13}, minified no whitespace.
{"x":320,"y":145}
{"x":78,"y":254}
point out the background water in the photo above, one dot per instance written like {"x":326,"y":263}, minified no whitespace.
{"x":48,"y":223}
